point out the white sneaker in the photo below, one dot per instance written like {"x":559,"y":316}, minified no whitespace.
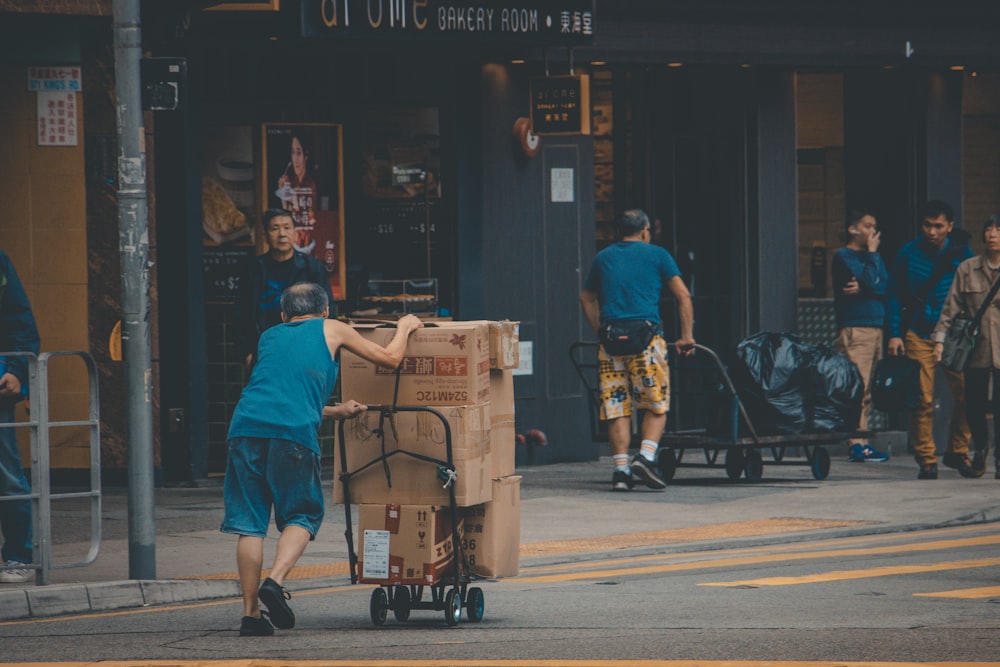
{"x":18,"y":573}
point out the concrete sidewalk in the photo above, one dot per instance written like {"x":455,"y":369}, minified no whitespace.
{"x":567,"y":511}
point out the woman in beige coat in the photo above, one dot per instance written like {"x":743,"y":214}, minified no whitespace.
{"x":973,"y":280}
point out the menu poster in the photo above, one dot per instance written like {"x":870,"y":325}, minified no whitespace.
{"x":304,"y":174}
{"x":228,"y":208}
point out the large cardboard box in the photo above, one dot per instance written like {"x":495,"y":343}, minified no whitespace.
{"x":415,"y":481}
{"x":404,"y":544}
{"x":502,"y":433}
{"x":505,"y":339}
{"x":446,"y":363}
{"x":491,"y":537}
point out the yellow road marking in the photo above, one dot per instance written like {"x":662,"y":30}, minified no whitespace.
{"x":843,"y":575}
{"x":256,"y":662}
{"x":690,"y":534}
{"x":765,"y":558}
{"x":772,"y":548}
{"x":965,"y":593}
{"x":622,"y":541}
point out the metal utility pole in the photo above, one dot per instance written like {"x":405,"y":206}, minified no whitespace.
{"x":134,"y":250}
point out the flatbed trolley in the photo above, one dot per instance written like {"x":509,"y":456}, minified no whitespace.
{"x":742,"y":453}
{"x":452,"y":592}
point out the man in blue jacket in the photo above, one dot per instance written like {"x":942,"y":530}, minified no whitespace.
{"x":919,"y":282}
{"x":18,"y":333}
{"x":860,"y":281}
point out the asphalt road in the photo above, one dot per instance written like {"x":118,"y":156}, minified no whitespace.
{"x":924,"y":596}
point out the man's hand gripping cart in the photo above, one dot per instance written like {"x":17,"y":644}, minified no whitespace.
{"x":452,"y":591}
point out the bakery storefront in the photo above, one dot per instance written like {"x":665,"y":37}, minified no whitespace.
{"x":390,"y":130}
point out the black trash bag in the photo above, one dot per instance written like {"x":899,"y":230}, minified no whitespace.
{"x":837,"y":392}
{"x":769,"y":375}
{"x":788,"y":387}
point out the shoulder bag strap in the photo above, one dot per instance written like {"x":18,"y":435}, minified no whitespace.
{"x":986,"y":304}
{"x":917,"y":297}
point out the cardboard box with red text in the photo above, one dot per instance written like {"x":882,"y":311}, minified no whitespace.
{"x":423,"y":432}
{"x":446,"y":363}
{"x":491,"y":532}
{"x":404,"y":544}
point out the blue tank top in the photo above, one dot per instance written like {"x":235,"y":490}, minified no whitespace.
{"x":291,"y":382}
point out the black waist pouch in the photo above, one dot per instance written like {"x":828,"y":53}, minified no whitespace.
{"x":626,"y":337}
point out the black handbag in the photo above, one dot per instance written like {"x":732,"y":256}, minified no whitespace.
{"x":959,"y":340}
{"x":896,"y":384}
{"x":960,"y":337}
{"x":626,"y":337}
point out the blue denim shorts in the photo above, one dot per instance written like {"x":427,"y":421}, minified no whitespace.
{"x":263,"y":473}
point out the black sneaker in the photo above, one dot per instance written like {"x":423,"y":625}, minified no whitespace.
{"x":979,"y":463}
{"x":927,"y":471}
{"x":273,"y":596}
{"x":646,"y":472}
{"x":621,"y":481}
{"x":255,"y":627}
{"x":959,"y":462}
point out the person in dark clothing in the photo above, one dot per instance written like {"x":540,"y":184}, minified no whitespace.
{"x":18,"y":333}
{"x":258,"y":302}
{"x":859,"y":284}
{"x":919,"y":283}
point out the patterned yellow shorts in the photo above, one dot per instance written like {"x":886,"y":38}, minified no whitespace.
{"x":642,"y":380}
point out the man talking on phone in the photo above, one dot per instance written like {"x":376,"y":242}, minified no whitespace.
{"x":621,"y":301}
{"x":860,"y":281}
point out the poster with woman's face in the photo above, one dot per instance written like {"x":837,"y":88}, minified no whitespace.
{"x":303,"y":174}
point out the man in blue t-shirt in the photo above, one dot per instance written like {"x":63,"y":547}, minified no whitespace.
{"x":624,"y":288}
{"x":860,"y":280}
{"x":274,"y":456}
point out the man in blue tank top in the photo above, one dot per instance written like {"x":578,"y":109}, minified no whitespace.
{"x":274,"y":456}
{"x":624,"y":287}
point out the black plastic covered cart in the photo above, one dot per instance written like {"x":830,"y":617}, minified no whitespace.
{"x":730,"y":441}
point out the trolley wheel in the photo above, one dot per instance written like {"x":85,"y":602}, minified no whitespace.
{"x":401,"y":603}
{"x":735,"y":460}
{"x":754,"y":466}
{"x":452,"y":607}
{"x":666,"y":461}
{"x":379,"y":606}
{"x":475,"y":604}
{"x":820,"y":463}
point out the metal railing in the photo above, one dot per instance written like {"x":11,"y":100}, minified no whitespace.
{"x":41,"y":495}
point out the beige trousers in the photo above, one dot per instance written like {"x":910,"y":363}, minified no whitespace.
{"x":863,"y":346}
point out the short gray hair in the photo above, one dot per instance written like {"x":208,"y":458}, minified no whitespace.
{"x":631,"y":222}
{"x":303,"y":299}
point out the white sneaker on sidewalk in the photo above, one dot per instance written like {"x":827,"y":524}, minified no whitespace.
{"x":16,"y":573}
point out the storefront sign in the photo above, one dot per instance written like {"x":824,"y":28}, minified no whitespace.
{"x":54,"y":79}
{"x":560,"y":105}
{"x":542,"y":22}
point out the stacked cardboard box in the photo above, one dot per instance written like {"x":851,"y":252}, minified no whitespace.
{"x":455,"y":380}
{"x":404,"y":544}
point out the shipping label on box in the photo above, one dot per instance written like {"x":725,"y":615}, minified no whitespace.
{"x":491,"y":532}
{"x":444,"y":364}
{"x":405,"y":544}
{"x":504,"y":344}
{"x":422,"y":432}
